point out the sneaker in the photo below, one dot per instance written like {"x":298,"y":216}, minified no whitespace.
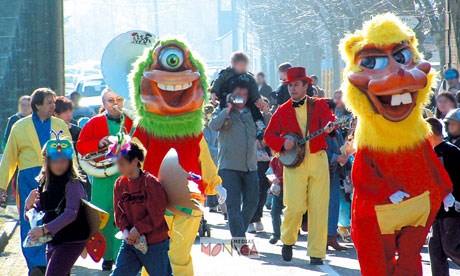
{"x":251,"y":228}
{"x":316,"y":261}
{"x":273,"y":239}
{"x":259,"y":226}
{"x":286,"y":252}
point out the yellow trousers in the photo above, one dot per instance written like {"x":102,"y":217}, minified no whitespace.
{"x":307,"y":188}
{"x":182,"y":231}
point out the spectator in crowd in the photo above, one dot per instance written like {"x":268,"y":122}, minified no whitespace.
{"x":80,"y":111}
{"x":211,"y":138}
{"x":282,"y":92}
{"x":317,"y":91}
{"x":263,"y":163}
{"x":24,"y":110}
{"x":24,"y":151}
{"x":452,"y":78}
{"x":445,"y":233}
{"x":237,"y":159}
{"x":340,"y":109}
{"x":336,"y":162}
{"x":445,"y":102}
{"x":276,"y":189}
{"x":264,"y":88}
{"x":452,"y":121}
{"x":63,"y":111}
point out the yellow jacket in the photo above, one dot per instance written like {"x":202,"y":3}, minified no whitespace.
{"x":23,"y":148}
{"x":208,"y":169}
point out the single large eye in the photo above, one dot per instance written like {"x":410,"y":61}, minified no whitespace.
{"x":53,"y":146}
{"x":403,"y":56}
{"x":172,"y":58}
{"x":64,"y":146}
{"x":375,"y":63}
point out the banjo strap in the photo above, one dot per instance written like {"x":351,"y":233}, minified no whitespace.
{"x":310,"y":105}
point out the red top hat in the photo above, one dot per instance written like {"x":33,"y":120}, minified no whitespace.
{"x":296,"y":74}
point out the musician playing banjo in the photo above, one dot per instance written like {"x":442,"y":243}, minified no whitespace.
{"x":94,"y":137}
{"x":306,"y":181}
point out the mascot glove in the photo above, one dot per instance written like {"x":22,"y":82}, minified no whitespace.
{"x":457,"y":206}
{"x":222,"y":193}
{"x":448,"y":201}
{"x":398,"y":197}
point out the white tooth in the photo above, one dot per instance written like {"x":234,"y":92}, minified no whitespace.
{"x":162,"y":86}
{"x":186,"y":85}
{"x":396,"y":99}
{"x":170,"y":87}
{"x":406,"y":98}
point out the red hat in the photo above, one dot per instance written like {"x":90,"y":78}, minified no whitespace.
{"x":296,"y":74}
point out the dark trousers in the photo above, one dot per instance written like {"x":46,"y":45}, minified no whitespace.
{"x":242,"y":199}
{"x":444,"y":243}
{"x":62,"y":257}
{"x":156,"y":260}
{"x":264,"y":185}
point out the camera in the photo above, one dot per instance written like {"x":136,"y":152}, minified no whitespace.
{"x":235,"y":99}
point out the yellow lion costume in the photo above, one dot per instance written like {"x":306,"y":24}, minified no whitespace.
{"x":399,"y":182}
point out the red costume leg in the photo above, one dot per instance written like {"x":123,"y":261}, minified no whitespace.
{"x":370,"y":247}
{"x":410,"y":241}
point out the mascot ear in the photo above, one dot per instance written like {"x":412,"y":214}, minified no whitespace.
{"x":348,"y":47}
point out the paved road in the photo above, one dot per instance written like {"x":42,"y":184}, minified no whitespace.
{"x":223,"y":264}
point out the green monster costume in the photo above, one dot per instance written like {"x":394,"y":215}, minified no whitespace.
{"x":168,"y":91}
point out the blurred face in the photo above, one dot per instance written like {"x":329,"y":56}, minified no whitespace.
{"x":453,"y":128}
{"x":452,"y":82}
{"x":66,"y":116}
{"x":24,"y":107}
{"x":444,"y":104}
{"x":125,"y":167}
{"x":283,"y":75}
{"x":243,"y":93}
{"x":260,"y":80}
{"x":46,"y":110}
{"x":240,"y":66}
{"x":76,"y":99}
{"x":314,"y":81}
{"x":59,"y":166}
{"x":297,"y":90}
{"x":110,"y":100}
{"x":338,"y":100}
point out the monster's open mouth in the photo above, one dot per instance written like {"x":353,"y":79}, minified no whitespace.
{"x":394,"y":107}
{"x":177,"y":90}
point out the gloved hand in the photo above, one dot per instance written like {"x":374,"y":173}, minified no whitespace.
{"x":457,"y":206}
{"x":448,"y":201}
{"x":398,"y":197}
{"x":221,"y":193}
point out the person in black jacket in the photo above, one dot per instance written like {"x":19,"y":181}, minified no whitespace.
{"x":445,"y":240}
{"x":282,"y":92}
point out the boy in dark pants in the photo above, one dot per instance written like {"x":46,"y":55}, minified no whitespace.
{"x":445,"y":233}
{"x":276,"y":190}
{"x":140,"y":205}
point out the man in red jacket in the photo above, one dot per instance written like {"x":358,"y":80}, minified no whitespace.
{"x":306,"y":187}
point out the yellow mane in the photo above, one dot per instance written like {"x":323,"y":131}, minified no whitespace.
{"x":373,"y":130}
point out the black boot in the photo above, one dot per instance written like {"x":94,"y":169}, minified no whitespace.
{"x":107,"y":265}
{"x":286,"y":252}
{"x":316,"y":261}
{"x":274,"y":239}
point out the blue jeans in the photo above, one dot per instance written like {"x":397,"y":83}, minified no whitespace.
{"x":242,"y":199}
{"x":264,"y":185}
{"x":334,"y":203}
{"x":35,"y":256}
{"x":156,"y":260}
{"x":275,"y":212}
{"x":345,"y":209}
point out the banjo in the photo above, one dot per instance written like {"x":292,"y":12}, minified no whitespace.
{"x":293,"y":158}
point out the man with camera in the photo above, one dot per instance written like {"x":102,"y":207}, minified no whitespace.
{"x":237,"y":158}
